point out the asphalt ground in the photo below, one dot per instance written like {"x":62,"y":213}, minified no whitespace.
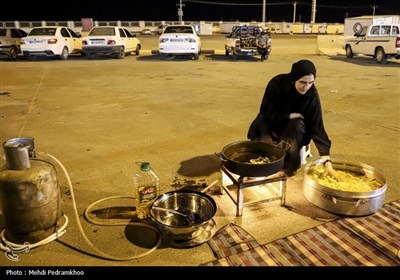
{"x":99,"y":117}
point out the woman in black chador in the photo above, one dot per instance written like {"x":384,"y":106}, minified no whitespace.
{"x":291,"y":111}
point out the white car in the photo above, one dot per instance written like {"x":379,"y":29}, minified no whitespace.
{"x":179,"y":40}
{"x":146,"y":31}
{"x":52,"y":41}
{"x":110,"y":40}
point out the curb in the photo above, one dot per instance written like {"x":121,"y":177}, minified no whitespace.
{"x":202,"y":52}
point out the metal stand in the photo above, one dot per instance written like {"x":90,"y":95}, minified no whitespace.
{"x":245,"y":182}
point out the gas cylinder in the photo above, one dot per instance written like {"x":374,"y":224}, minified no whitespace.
{"x":29,"y":193}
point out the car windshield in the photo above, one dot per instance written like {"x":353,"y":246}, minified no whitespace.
{"x":102,"y":31}
{"x":3,"y":32}
{"x":178,"y":29}
{"x":247,"y":31}
{"x":43,"y":31}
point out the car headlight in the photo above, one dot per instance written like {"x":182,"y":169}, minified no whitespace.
{"x":163,"y":40}
{"x":190,"y":40}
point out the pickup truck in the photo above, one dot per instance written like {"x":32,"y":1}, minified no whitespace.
{"x":242,"y":41}
{"x":381,"y":41}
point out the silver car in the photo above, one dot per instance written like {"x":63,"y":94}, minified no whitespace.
{"x":10,"y":39}
{"x":111,"y":41}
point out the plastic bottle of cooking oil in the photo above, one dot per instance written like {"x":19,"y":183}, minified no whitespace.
{"x":146,"y":185}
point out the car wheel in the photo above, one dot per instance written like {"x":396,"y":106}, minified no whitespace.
{"x":196,"y":56}
{"x":349,"y":52}
{"x":121,"y":53}
{"x":12,"y":55}
{"x":226,"y":52}
{"x":64,"y":54}
{"x":137,"y":50}
{"x":163,"y":56}
{"x":380,"y":56}
{"x":234,"y":56}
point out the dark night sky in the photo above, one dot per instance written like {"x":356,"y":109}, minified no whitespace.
{"x":331,"y":11}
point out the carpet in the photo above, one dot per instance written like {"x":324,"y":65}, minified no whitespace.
{"x":372,"y":240}
{"x":231,"y":239}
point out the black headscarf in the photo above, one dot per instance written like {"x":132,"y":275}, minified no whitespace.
{"x":302,"y":68}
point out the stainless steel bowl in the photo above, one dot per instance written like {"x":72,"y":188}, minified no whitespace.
{"x":199,"y":206}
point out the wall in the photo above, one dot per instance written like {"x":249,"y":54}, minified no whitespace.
{"x":207,"y":28}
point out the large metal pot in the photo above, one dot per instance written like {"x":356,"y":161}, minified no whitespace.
{"x":344,"y":202}
{"x":201,"y":207}
{"x":236,"y":158}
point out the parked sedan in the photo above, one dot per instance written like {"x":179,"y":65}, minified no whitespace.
{"x":51,"y":41}
{"x":110,"y":40}
{"x":180,"y":40}
{"x":10,"y":39}
{"x":146,"y":31}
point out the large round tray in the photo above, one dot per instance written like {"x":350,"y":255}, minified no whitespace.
{"x":344,"y":202}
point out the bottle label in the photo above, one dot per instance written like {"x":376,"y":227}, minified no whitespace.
{"x":147,"y":193}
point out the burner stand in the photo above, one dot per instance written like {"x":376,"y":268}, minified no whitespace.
{"x":243,"y":182}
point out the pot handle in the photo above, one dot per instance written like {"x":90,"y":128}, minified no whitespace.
{"x":221,"y":157}
{"x":211,"y":225}
{"x":330,"y":197}
{"x":283,"y":145}
{"x":334,"y":199}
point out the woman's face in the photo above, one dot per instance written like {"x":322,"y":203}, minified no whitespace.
{"x":304,"y":83}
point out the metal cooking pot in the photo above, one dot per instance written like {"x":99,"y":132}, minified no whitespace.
{"x":344,"y":202}
{"x":200,"y":206}
{"x":236,"y":158}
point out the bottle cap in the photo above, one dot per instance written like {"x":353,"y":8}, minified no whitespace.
{"x":145,"y":166}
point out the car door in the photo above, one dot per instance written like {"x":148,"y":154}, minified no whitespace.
{"x":128,"y":43}
{"x":16,"y":35}
{"x":77,"y":41}
{"x":132,"y":37}
{"x":369,"y":45}
{"x":68,"y":40}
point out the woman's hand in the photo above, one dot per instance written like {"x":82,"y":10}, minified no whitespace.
{"x":329,"y":169}
{"x":296,"y":116}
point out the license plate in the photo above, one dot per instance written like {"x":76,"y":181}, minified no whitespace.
{"x":36,"y":41}
{"x":97,"y":42}
{"x":177,"y":40}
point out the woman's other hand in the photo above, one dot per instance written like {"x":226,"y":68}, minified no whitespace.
{"x":296,"y":116}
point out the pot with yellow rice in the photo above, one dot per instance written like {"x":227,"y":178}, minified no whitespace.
{"x":358,"y":190}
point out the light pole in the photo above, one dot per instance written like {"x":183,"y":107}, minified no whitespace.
{"x":313,"y":10}
{"x":294,"y":11}
{"x":180,"y":11}
{"x":373,"y":9}
{"x":263,"y":12}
